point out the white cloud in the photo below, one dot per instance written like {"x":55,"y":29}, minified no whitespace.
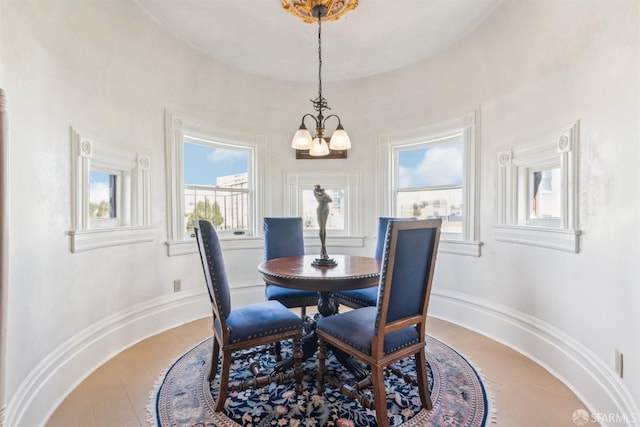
{"x":441,"y":165}
{"x":98,"y":191}
{"x":221,"y":155}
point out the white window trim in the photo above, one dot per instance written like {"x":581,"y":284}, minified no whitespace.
{"x":135,"y":225}
{"x":558,"y":148}
{"x":469,"y":126}
{"x":177,"y":125}
{"x":350,"y":182}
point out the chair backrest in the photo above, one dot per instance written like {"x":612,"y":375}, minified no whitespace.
{"x":215,"y":272}
{"x":383,"y":222}
{"x":283,"y":237}
{"x":407,"y":272}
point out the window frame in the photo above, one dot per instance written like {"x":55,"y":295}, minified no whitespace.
{"x":351,"y":184}
{"x":468,"y":125}
{"x":134,"y":166}
{"x":178,"y":126}
{"x":249,"y":191}
{"x":558,"y":148}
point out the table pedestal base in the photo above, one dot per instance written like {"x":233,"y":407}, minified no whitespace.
{"x":327,"y":306}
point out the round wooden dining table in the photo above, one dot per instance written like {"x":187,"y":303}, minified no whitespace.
{"x":297,"y":272}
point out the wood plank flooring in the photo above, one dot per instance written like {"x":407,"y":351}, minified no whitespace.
{"x":116,"y":394}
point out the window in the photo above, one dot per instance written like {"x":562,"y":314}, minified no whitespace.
{"x":545,"y":196}
{"x":111,"y":194}
{"x":216,"y":186}
{"x":213,"y":175}
{"x":429,"y":182}
{"x":335,"y":221}
{"x":537,"y":191}
{"x":344,"y":224}
{"x":432,"y":174}
{"x":104,"y":194}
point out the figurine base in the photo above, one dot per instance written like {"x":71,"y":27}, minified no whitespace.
{"x":324,"y":262}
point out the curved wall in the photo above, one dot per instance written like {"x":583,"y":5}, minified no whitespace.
{"x":530,"y":67}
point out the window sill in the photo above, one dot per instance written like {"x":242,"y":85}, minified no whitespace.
{"x":459,"y":247}
{"x":86,"y":240}
{"x":185,"y":247}
{"x":550,"y":238}
{"x":335,"y":241}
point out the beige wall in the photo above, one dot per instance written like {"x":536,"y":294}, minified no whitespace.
{"x":531,"y":67}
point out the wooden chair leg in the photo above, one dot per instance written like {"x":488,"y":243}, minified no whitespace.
{"x":423,"y":382}
{"x":277,"y":350}
{"x":224,"y":380}
{"x":215,"y":353}
{"x":379,"y":396}
{"x":322,"y":356}
{"x":297,"y":360}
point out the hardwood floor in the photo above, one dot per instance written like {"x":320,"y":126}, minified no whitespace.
{"x":116,"y":394}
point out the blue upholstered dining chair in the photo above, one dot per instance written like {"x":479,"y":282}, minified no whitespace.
{"x":283,"y":237}
{"x":395,"y":328}
{"x":367,"y":297}
{"x":245,"y":327}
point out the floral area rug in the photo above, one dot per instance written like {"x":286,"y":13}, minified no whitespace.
{"x":184,"y":397}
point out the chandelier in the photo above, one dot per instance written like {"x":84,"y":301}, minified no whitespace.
{"x":302,"y":139}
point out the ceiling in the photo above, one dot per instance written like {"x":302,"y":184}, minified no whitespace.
{"x":258,"y":36}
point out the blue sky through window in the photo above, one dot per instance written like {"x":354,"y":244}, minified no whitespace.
{"x":434,"y":165}
{"x":203,"y":165}
{"x":98,"y":186}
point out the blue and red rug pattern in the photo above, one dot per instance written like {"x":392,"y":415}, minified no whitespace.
{"x":184,"y":398}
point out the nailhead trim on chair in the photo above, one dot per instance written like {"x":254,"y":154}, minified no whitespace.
{"x":212,"y":275}
{"x":269,"y":332}
{"x":367,"y":350}
{"x":346,"y":297}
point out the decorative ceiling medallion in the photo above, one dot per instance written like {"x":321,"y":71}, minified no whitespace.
{"x":335,"y":8}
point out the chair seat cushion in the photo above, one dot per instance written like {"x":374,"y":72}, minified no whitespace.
{"x":367,"y":297}
{"x":290,"y":297}
{"x":259,"y":320}
{"x":357,"y":328}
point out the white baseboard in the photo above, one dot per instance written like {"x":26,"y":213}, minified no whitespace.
{"x":595,"y":383}
{"x":69,"y":364}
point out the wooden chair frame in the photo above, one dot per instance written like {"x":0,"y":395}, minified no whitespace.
{"x":377,"y":359}
{"x":222,"y":341}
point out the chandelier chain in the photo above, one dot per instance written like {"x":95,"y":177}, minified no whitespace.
{"x":320,"y":102}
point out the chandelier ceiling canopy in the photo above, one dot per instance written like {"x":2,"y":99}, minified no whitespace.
{"x":303,"y":9}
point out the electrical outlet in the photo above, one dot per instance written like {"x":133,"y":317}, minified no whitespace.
{"x":619,"y":363}
{"x":177,"y":285}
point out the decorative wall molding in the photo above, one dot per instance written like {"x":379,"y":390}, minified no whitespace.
{"x":557,"y":150}
{"x":593,"y":381}
{"x":134,"y":223}
{"x":86,"y":240}
{"x":550,"y":238}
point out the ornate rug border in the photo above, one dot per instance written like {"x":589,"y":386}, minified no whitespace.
{"x":223,"y":421}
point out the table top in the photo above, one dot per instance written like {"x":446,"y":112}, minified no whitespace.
{"x":352,"y":272}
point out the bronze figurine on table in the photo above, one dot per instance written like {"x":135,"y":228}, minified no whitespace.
{"x":323,"y":213}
